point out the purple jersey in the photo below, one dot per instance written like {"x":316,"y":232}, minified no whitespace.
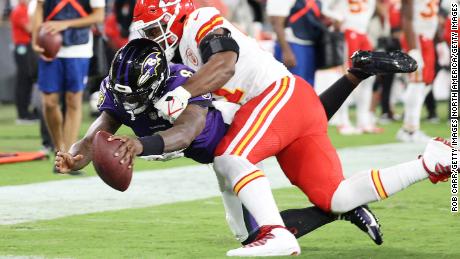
{"x":148,"y":123}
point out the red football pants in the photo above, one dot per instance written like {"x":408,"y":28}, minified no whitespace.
{"x":288,"y":121}
{"x":426,"y":46}
{"x":356,"y":41}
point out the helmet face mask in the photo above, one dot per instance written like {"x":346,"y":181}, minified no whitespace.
{"x":162,"y":21}
{"x":138,"y":75}
{"x":134,"y":104}
{"x":158,"y":32}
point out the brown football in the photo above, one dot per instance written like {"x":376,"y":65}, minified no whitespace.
{"x":51,"y":43}
{"x":108,"y":167}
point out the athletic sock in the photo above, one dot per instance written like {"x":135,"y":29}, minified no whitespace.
{"x":302,"y":221}
{"x":413,"y":103}
{"x":363,"y":103}
{"x":234,"y":215}
{"x":254,"y":191}
{"x":374,"y":185}
{"x":251,"y":186}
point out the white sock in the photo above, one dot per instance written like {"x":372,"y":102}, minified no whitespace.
{"x":258,"y":199}
{"x":233,"y":209}
{"x":413,"y":102}
{"x":251,"y":186}
{"x":363,"y":103}
{"x":234,"y":215}
{"x":374,"y":185}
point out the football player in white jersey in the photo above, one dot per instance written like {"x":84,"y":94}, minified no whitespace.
{"x":356,"y":20}
{"x":419,"y":22}
{"x":280,"y":116}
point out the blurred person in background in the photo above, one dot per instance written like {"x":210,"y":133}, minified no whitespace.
{"x":297,"y":28}
{"x":390,"y":16}
{"x":355,"y":18}
{"x":356,"y":22}
{"x":68,"y":72}
{"x":123,"y":10}
{"x":2,"y":10}
{"x":47,"y":143}
{"x":117,"y":24}
{"x":419,"y":23}
{"x":26,"y":63}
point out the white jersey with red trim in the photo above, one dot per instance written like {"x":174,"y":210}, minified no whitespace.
{"x":426,"y":17}
{"x":255,"y":70}
{"x":358,"y":15}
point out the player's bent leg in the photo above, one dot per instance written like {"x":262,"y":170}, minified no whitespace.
{"x":312,"y":164}
{"x":253,"y":189}
{"x":374,"y":185}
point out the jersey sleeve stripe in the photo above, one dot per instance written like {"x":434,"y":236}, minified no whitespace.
{"x":216,"y":20}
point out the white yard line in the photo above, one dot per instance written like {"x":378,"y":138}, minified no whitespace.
{"x":50,"y":200}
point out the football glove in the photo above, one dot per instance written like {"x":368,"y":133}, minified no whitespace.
{"x":172,"y":104}
{"x":368,"y":63}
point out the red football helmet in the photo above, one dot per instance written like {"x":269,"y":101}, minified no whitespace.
{"x":162,"y":21}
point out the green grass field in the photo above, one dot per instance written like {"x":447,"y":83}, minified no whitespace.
{"x":416,"y":222}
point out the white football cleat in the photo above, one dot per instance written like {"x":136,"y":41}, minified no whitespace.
{"x":416,"y":136}
{"x":436,"y":159}
{"x":348,"y":130}
{"x":272,"y":241}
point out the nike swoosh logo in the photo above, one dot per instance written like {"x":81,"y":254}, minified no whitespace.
{"x":170,"y":106}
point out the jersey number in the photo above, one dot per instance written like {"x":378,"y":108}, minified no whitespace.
{"x":186,"y":73}
{"x":231,"y":96}
{"x":357,"y":6}
{"x":431,"y":9}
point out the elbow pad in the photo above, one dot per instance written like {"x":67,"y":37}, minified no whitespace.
{"x":215,"y":43}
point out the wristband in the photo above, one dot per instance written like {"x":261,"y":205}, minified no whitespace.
{"x":152,"y":145}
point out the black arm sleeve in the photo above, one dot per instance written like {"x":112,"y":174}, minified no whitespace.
{"x":214,"y":43}
{"x":336,"y":95}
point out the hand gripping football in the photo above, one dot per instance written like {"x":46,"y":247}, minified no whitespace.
{"x":108,"y":167}
{"x":51,"y":43}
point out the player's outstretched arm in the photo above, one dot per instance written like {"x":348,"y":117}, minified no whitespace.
{"x":212,"y":75}
{"x":186,"y":128}
{"x":79,"y":154}
{"x":219,"y":52}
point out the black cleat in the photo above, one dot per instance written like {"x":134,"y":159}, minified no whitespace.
{"x":378,"y":62}
{"x":364,"y":219}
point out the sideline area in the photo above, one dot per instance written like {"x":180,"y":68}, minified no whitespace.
{"x":50,"y":200}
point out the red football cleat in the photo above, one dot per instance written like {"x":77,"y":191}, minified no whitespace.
{"x":437,"y":159}
{"x":272,"y":241}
